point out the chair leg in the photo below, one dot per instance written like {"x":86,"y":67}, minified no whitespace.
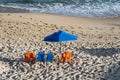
{"x":63,"y":60}
{"x":70,"y":60}
{"x":33,"y":60}
{"x":26,"y":59}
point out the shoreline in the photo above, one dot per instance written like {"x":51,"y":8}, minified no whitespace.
{"x":19,"y":10}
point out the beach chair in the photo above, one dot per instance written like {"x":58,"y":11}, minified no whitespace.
{"x":41,"y":56}
{"x":66,"y":56}
{"x":29,"y":57}
{"x":49,"y":57}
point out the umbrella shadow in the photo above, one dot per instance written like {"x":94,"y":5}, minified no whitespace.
{"x":113,"y":73}
{"x":113,"y":70}
{"x":101,"y":51}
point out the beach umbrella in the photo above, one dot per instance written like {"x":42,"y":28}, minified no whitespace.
{"x":60,"y":36}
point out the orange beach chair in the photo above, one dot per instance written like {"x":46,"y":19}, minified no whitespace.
{"x":66,"y":56}
{"x":29,"y":56}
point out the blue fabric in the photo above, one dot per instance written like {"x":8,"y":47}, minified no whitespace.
{"x":40,"y":56}
{"x":49,"y":57}
{"x":60,"y":36}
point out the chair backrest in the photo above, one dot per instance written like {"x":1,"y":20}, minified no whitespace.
{"x":40,"y":56}
{"x":30,"y":54}
{"x":68,"y":55}
{"x":49,"y":57}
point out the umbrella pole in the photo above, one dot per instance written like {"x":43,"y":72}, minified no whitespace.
{"x":60,"y":47}
{"x":60,"y":51}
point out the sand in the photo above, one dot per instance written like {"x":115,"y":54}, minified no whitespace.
{"x":96,"y":53}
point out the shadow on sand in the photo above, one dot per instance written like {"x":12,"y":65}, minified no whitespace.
{"x":11,"y":61}
{"x":101,"y":51}
{"x":113,"y":72}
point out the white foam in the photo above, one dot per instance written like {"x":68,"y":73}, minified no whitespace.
{"x":101,"y":10}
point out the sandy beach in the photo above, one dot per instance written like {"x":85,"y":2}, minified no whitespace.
{"x":96,"y":53}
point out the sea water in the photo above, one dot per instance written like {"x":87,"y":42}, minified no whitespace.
{"x":84,"y":8}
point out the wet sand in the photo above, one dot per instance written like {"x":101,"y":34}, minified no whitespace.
{"x":12,"y":10}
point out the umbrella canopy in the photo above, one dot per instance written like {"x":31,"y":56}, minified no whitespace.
{"x":60,"y":36}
